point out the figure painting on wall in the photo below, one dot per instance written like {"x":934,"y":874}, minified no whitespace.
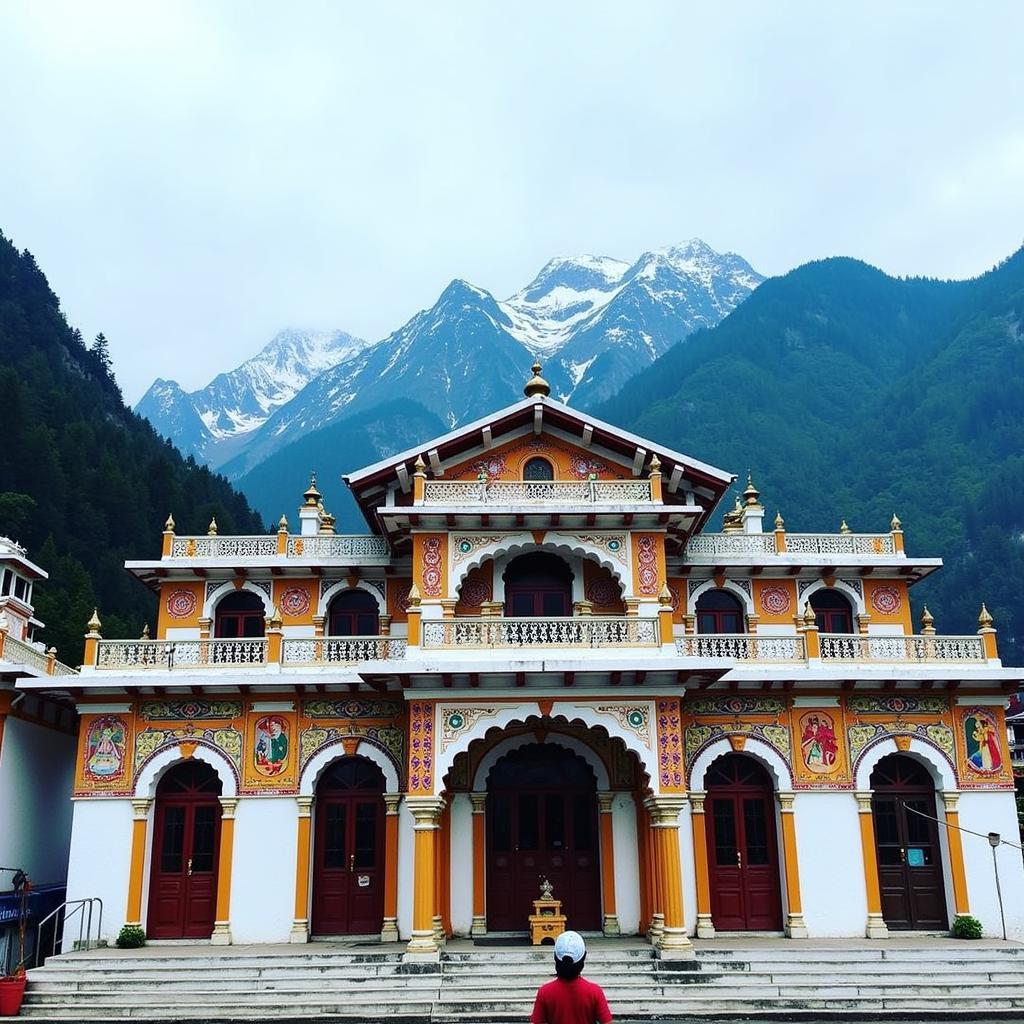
{"x":818,"y":744}
{"x":982,"y":743}
{"x":271,"y":750}
{"x":104,"y":757}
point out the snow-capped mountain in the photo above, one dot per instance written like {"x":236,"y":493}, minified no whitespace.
{"x":594,"y":321}
{"x":212,"y":422}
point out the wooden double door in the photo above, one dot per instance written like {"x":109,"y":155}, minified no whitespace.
{"x":743,"y":859}
{"x":186,"y":843}
{"x":348,"y":850}
{"x":542,"y":823}
{"x":910,"y":873}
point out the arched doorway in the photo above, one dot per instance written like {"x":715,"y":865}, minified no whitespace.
{"x":910,"y":873}
{"x":538,"y":584}
{"x":832,"y":611}
{"x":348,"y":849}
{"x":353,"y":612}
{"x":240,"y":614}
{"x":743,"y":855}
{"x":542,"y":822}
{"x":718,"y":611}
{"x":186,"y":841}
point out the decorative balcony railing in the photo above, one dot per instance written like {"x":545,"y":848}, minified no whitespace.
{"x":583,"y":631}
{"x":259,"y":546}
{"x":731,"y":544}
{"x":340,"y":650}
{"x":857,"y":647}
{"x":172,"y":654}
{"x":716,"y":544}
{"x":535,"y":492}
{"x":266,"y":546}
{"x":21,"y":653}
{"x":331,"y":545}
{"x":742,"y":647}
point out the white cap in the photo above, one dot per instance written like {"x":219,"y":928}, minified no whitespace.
{"x":571,"y":945}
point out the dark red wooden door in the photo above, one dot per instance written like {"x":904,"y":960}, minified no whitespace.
{"x":348,"y":850}
{"x":743,"y":857}
{"x":542,"y":823}
{"x":538,"y":585}
{"x":910,"y":874}
{"x":186,"y":841}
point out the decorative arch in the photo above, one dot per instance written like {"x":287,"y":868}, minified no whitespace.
{"x":926,"y":753}
{"x":344,"y":585}
{"x":158,"y":763}
{"x":215,"y":598}
{"x":745,"y":599}
{"x":856,"y":600}
{"x":327,"y":755}
{"x":506,"y":746}
{"x":756,"y":748}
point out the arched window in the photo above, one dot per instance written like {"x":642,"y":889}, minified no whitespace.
{"x":538,"y":584}
{"x":538,"y":469}
{"x":832,"y":611}
{"x":240,"y":614}
{"x":719,"y":612}
{"x":353,"y":613}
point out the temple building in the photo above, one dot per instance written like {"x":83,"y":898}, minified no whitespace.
{"x":540,"y":663}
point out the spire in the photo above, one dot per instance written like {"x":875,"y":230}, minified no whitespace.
{"x":927,"y":622}
{"x":536,"y":385}
{"x":843,"y":528}
{"x":282,"y":524}
{"x":984,"y":618}
{"x":780,"y":523}
{"x":94,"y":624}
{"x":169,"y":525}
{"x":312,"y":495}
{"x":896,"y":526}
{"x":211,"y":530}
{"x":751,"y":494}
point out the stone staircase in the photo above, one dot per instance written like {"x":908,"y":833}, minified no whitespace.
{"x":494,"y":985}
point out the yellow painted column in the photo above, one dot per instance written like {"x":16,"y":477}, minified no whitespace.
{"x":795,"y":927}
{"x":140,"y":830}
{"x":657,"y":889}
{"x":951,"y":801}
{"x":426,"y":810}
{"x":222,"y":925}
{"x":610,"y":923}
{"x":479,"y":858}
{"x":705,"y":924}
{"x":441,"y":872}
{"x":300,"y":925}
{"x":876,"y":926}
{"x":389,"y":930}
{"x":673,"y":943}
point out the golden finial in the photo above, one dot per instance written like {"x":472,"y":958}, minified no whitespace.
{"x":984,"y":618}
{"x":274,"y":618}
{"x":94,"y":624}
{"x":211,"y":530}
{"x":655,"y":467}
{"x":414,"y":596}
{"x":145,"y":632}
{"x":780,"y":523}
{"x":809,"y":619}
{"x":282,"y":524}
{"x":751,"y":494}
{"x":327,"y":522}
{"x":664,"y":596}
{"x":896,"y":526}
{"x":843,"y":528}
{"x":927,"y":622}
{"x":419,"y":466}
{"x":169,"y":525}
{"x":536,"y":385}
{"x":311,"y":495}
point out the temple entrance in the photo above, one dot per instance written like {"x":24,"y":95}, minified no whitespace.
{"x":743,"y":856}
{"x":910,"y":873}
{"x":348,"y":850}
{"x":542,"y":822}
{"x":186,"y":840}
{"x":538,"y":584}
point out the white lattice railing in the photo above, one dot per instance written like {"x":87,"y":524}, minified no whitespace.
{"x":259,"y":546}
{"x":731,"y":544}
{"x":856,"y":647}
{"x":338,"y":546}
{"x":535,"y":492}
{"x":840,"y":543}
{"x":742,"y":647}
{"x":582,"y":631}
{"x":172,"y":654}
{"x":337,"y":650}
{"x":21,"y":653}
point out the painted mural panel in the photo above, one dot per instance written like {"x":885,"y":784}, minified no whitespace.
{"x":105,"y":755}
{"x":270,"y":764}
{"x":983,"y":759}
{"x":821,"y":760}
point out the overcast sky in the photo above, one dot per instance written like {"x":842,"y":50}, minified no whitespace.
{"x":192,"y":177}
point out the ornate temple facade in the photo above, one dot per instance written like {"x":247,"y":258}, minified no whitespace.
{"x":539,"y":662}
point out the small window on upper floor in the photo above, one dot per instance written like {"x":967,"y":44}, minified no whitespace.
{"x":8,"y":580}
{"x":21,"y":588}
{"x":538,"y":469}
{"x":832,"y":611}
{"x":719,"y":612}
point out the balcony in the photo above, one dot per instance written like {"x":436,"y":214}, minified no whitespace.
{"x":167,"y":655}
{"x":827,"y":544}
{"x":922,"y":649}
{"x":536,"y":492}
{"x":18,"y":652}
{"x":266,"y":546}
{"x":742,"y":647}
{"x":500,"y":633}
{"x":341,"y":650}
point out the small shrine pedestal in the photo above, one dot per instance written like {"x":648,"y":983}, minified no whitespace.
{"x":547,"y":920}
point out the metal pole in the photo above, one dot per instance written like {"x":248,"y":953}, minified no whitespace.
{"x":994,"y":840}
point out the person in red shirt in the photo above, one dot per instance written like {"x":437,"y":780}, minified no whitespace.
{"x":570,"y":999}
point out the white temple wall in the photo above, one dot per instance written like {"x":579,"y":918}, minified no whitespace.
{"x":627,"y":867}
{"x":406,"y":840}
{"x":263,"y":874}
{"x":461,"y":865}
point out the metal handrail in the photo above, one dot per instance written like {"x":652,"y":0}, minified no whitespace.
{"x":84,"y":923}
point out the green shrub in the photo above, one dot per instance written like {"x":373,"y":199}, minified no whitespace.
{"x":131,"y":936}
{"x":966,"y":927}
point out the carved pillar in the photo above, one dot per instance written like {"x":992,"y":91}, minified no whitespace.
{"x":300,"y":923}
{"x":876,"y":926}
{"x":479,"y":855}
{"x":657,"y":925}
{"x":752,"y":621}
{"x":951,"y":802}
{"x":705,"y":925}
{"x":690,"y":624}
{"x":222,"y":925}
{"x":610,"y":924}
{"x":425,"y":810}
{"x":795,"y":927}
{"x":318,"y":625}
{"x":389,"y":930}
{"x":140,"y":828}
{"x":673,"y":943}
{"x":442,"y":872}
